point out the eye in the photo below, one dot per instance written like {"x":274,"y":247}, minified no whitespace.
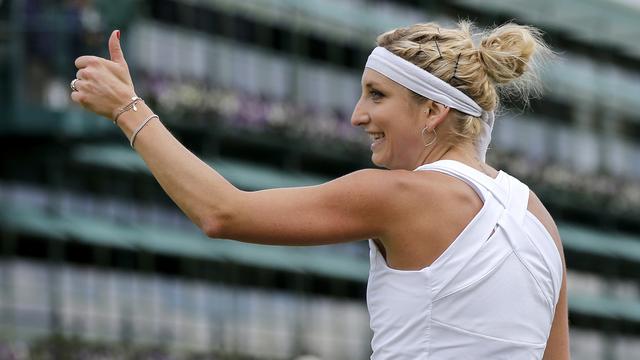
{"x":375,"y":94}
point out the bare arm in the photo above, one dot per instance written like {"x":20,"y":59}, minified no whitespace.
{"x":353,"y":207}
{"x":558,"y":343}
{"x":356,"y":206}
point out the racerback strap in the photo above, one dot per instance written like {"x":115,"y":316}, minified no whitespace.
{"x":469,"y":175}
{"x":518,"y":197}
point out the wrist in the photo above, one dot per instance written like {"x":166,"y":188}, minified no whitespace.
{"x":131,"y":104}
{"x":130,"y":120}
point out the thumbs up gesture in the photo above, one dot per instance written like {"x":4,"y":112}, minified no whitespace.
{"x":103,"y":86}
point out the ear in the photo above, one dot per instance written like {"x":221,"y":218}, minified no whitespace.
{"x":436,"y":113}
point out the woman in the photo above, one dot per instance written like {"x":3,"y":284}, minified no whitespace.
{"x":466,"y":262}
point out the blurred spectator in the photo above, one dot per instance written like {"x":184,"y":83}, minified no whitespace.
{"x":55,"y":34}
{"x":6,"y":353}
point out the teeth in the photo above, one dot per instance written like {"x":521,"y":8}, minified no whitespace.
{"x":376,"y":136}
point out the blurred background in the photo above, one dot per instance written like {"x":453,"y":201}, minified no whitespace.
{"x":96,"y":262}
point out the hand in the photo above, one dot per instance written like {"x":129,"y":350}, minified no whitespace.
{"x":104,"y":86}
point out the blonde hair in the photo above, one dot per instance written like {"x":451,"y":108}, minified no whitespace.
{"x":504,"y":63}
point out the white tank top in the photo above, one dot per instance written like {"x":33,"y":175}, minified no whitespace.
{"x":490,"y":295}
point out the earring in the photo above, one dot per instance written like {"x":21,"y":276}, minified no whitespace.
{"x":435,"y":136}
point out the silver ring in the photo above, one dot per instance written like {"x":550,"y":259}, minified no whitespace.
{"x":73,"y":85}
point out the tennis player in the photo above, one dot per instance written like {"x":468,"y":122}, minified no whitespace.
{"x":466,"y":262}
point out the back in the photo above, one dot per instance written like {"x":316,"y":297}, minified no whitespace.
{"x":491,"y":294}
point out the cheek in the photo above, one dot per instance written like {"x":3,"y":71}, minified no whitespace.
{"x":407,"y":144}
{"x":405,"y":136}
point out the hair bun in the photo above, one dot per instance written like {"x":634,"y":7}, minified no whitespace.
{"x":506,"y":51}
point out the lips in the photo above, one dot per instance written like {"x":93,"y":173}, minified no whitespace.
{"x":377,"y":138}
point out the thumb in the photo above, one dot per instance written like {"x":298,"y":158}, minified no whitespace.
{"x":115,"y":51}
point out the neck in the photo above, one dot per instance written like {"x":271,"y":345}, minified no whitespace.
{"x":463,"y":152}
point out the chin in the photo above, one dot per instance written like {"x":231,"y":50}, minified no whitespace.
{"x":378,"y":162}
{"x":375,"y":161}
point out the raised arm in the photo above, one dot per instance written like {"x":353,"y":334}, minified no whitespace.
{"x":345,"y":209}
{"x":353,"y":207}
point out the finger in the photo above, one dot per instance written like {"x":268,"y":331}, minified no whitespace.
{"x":82,"y":74}
{"x":77,"y":97}
{"x":84,"y":61}
{"x":81,"y":85}
{"x":115,"y":50}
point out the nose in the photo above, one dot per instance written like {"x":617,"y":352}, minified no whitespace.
{"x":359,"y":116}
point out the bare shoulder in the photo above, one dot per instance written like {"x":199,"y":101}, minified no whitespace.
{"x":376,"y":187}
{"x":391,"y":182}
{"x":396,"y":193}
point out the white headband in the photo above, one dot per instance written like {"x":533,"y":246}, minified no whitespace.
{"x":424,"y":83}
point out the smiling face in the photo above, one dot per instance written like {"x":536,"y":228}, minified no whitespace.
{"x":391,"y":116}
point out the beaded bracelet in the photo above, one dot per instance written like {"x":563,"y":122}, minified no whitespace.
{"x":132,"y":105}
{"x":137,"y":130}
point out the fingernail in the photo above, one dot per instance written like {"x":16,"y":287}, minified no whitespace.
{"x":118,"y":34}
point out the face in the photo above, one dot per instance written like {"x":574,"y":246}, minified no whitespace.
{"x":391,"y":116}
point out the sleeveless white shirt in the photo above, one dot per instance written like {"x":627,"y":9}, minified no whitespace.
{"x":490,"y":295}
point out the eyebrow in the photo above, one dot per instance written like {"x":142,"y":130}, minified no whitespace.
{"x":371,"y":83}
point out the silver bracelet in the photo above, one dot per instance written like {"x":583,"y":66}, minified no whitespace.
{"x":136,"y":131}
{"x":129,"y":106}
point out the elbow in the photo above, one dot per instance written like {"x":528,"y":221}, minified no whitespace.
{"x":219,"y":221}
{"x":214,"y":226}
{"x":211,"y":229}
